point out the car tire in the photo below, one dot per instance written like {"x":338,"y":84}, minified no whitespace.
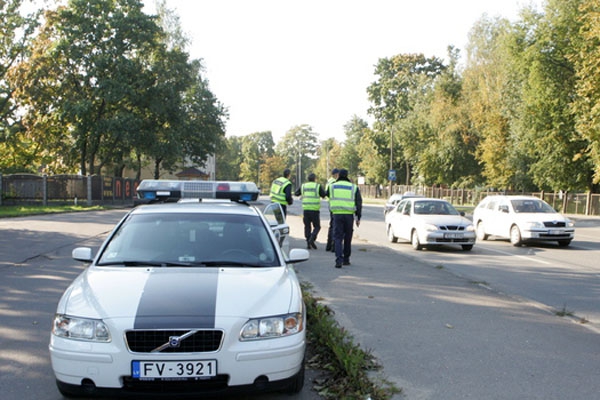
{"x":515,"y":236}
{"x":467,"y":247}
{"x":481,"y":235}
{"x":390,"y":235}
{"x":564,"y":243}
{"x":414,"y":239}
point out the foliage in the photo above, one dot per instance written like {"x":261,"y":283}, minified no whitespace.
{"x":298,"y":147}
{"x":348,"y":364}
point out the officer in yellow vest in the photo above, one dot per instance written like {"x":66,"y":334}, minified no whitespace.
{"x":345,"y":202}
{"x":334,"y":176}
{"x":311,"y":193}
{"x":281,"y":191}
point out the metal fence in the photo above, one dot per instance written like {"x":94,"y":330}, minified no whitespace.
{"x":567,"y":203}
{"x":66,"y":189}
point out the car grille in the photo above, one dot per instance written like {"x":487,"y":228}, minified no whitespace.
{"x":147,"y":341}
{"x":452,"y":228}
{"x":554,"y":224}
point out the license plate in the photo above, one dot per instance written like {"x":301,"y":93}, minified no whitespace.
{"x":554,"y":232}
{"x":453,"y":235}
{"x":174,"y":369}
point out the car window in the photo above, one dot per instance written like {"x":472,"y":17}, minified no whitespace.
{"x":531,"y":206}
{"x":193,"y":238}
{"x":435,"y":208}
{"x":402,"y":206}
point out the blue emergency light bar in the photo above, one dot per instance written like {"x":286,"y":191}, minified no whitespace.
{"x":154,"y":190}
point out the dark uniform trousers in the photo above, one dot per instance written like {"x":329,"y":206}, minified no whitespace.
{"x":343,"y":227}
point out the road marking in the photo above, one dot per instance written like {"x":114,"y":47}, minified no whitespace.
{"x":516,"y":255}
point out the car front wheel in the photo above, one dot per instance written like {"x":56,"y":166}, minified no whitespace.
{"x":390,"y":234}
{"x":414,"y":239}
{"x":481,"y":235}
{"x":515,"y":236}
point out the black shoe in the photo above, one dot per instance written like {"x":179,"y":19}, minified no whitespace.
{"x":346,"y":263}
{"x":308,"y":245}
{"x":338,"y":265}
{"x":328,"y":247}
{"x":312,"y":244}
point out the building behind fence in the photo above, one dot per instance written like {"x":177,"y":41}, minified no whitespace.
{"x":17,"y":189}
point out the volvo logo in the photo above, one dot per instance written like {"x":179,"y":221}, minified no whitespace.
{"x":174,"y":342}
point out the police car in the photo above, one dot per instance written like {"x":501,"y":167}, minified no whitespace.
{"x":194,"y":297}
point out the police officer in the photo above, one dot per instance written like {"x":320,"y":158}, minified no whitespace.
{"x":311,"y":193}
{"x":333,"y":178}
{"x":281,"y":191}
{"x":345,"y":202}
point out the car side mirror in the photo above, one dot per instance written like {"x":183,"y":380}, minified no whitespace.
{"x":503,"y":209}
{"x":82,"y":254}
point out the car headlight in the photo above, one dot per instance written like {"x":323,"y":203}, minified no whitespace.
{"x":570,"y":223}
{"x":430,"y":227}
{"x":80,"y":328}
{"x":469,"y":228}
{"x":532,"y":225}
{"x":272,"y":327}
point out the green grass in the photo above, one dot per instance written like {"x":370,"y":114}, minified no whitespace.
{"x":349,"y":367}
{"x":21,"y":211}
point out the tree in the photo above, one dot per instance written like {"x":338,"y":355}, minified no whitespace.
{"x":256,"y":149}
{"x":86,"y":76}
{"x":586,"y":106}
{"x":299,"y":148}
{"x":403,"y":79}
{"x":17,"y":151}
{"x":558,"y":152}
{"x":229,"y":158}
{"x":350,"y":159}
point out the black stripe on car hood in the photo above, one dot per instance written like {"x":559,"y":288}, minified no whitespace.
{"x":178,"y":300}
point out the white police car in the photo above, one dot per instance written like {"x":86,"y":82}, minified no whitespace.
{"x":187,"y":298}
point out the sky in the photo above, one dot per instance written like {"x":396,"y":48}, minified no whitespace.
{"x":276,"y":64}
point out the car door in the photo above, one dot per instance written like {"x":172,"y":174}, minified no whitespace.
{"x":499,"y":224}
{"x":402,"y":225}
{"x":276,"y":219}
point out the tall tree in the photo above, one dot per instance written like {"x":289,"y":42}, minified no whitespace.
{"x":403,"y":79}
{"x":586,"y":107}
{"x":299,"y":147}
{"x":86,"y":75}
{"x":554,"y":145}
{"x":256,"y":149}
{"x":17,"y":151}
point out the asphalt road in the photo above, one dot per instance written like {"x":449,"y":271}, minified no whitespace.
{"x":445,"y":324}
{"x":449,"y":324}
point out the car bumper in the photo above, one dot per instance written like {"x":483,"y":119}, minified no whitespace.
{"x":461,"y":238}
{"x":103,"y":367}
{"x":548,"y":234}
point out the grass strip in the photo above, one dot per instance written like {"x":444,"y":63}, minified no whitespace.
{"x":21,"y":211}
{"x":349,"y":367}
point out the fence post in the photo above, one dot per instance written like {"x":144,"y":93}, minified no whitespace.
{"x":45,"y":190}
{"x":89,"y":190}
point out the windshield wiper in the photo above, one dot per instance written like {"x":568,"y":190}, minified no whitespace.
{"x":147,"y":264}
{"x":231,"y":263}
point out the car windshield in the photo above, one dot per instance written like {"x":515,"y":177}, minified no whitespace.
{"x":531,"y":206}
{"x":435,"y":208}
{"x":190,"y":239}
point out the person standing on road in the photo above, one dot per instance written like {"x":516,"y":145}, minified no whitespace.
{"x":281,"y":191}
{"x":311,"y":193}
{"x":345,"y":202}
{"x":332,"y":179}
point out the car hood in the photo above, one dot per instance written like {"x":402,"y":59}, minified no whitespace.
{"x":177,"y":297}
{"x":540,"y":217}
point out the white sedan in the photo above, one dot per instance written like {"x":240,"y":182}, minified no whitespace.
{"x":427,"y":222}
{"x":521,"y":219}
{"x":189,"y":298}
